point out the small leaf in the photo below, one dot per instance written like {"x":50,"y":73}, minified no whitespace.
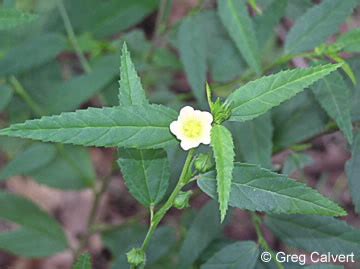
{"x":39,"y":154}
{"x":11,"y":18}
{"x":41,"y":235}
{"x":353,"y":172}
{"x":193,"y":52}
{"x":238,"y":255}
{"x":350,"y":41}
{"x":258,"y":96}
{"x":203,"y":230}
{"x":32,"y":53}
{"x":130,"y":126}
{"x":146,"y":173}
{"x":335,"y":97}
{"x":316,"y":233}
{"x":5,"y":96}
{"x":317,"y":24}
{"x":83,"y":262}
{"x":258,"y":189}
{"x":236,"y":19}
{"x":131,"y":91}
{"x":223,"y":147}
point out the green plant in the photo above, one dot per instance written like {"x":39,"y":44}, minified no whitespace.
{"x":239,"y":131}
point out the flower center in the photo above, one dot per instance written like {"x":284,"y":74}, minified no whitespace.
{"x":192,"y":128}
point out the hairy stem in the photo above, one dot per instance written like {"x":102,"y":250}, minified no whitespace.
{"x":256,"y":220}
{"x":159,"y":215}
{"x":72,"y":37}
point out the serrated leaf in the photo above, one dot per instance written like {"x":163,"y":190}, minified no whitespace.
{"x":193,"y":50}
{"x":39,"y":154}
{"x":258,"y":96}
{"x":5,"y":96}
{"x":146,"y":173}
{"x":45,"y":234}
{"x":253,"y":140}
{"x":316,"y":233}
{"x":317,"y":24}
{"x":83,"y":262}
{"x":32,"y":53}
{"x":130,"y":126}
{"x":258,"y":189}
{"x":350,"y":41}
{"x":353,"y":172}
{"x":203,"y":230}
{"x":131,"y":91}
{"x":11,"y":18}
{"x":238,"y":255}
{"x":236,"y":19}
{"x":223,"y":148}
{"x":291,"y":124}
{"x":335,"y":97}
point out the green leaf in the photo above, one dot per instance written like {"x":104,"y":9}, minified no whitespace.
{"x":353,"y":172}
{"x":39,"y":154}
{"x":258,"y":96}
{"x":11,"y":18}
{"x":265,"y":24}
{"x":317,"y":24}
{"x":130,"y":126}
{"x":253,"y":140}
{"x":131,"y":91}
{"x":258,"y":189}
{"x":146,"y":173}
{"x":203,"y":230}
{"x":335,"y":97}
{"x":42,"y":235}
{"x":192,"y":48}
{"x":238,"y":23}
{"x":238,"y":255}
{"x":350,"y":41}
{"x":291,"y":124}
{"x":77,"y":171}
{"x":5,"y":96}
{"x":83,"y":262}
{"x":223,"y":148}
{"x":296,"y":161}
{"x":32,"y":53}
{"x":316,"y":233}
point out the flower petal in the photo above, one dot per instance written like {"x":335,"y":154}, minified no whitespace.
{"x":186,"y":111}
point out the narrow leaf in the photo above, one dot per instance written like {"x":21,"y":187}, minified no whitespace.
{"x":335,"y":97}
{"x":316,"y":233}
{"x":236,"y":19}
{"x":11,"y":18}
{"x":83,"y":262}
{"x":203,"y":230}
{"x":5,"y":96}
{"x":353,"y":172}
{"x":193,"y":51}
{"x":39,"y":154}
{"x":130,"y":126}
{"x":238,"y":255}
{"x":258,"y":189}
{"x":131,"y":91}
{"x":223,"y":148}
{"x":45,"y":234}
{"x":317,"y":24}
{"x":258,"y":96}
{"x":146,"y":173}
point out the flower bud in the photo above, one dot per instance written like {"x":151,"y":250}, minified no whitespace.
{"x":136,"y":257}
{"x":203,"y":163}
{"x":182,"y":200}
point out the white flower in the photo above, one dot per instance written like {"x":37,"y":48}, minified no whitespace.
{"x":192,"y":127}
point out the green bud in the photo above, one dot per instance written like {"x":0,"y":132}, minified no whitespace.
{"x":136,"y":257}
{"x":182,"y":200}
{"x":221,"y":111}
{"x":203,"y":163}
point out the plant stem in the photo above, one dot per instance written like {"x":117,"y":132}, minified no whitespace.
{"x":72,"y":37}
{"x":159,"y":215}
{"x":256,"y":220}
{"x":19,"y":89}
